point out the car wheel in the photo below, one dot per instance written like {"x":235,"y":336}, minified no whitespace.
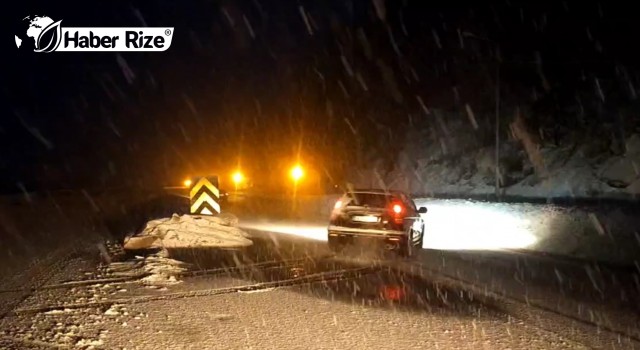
{"x":335,"y":245}
{"x":406,"y":248}
{"x":421,"y":242}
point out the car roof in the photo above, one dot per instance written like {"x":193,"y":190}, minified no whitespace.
{"x":376,"y":191}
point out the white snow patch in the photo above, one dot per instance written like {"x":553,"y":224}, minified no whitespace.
{"x":257,"y":291}
{"x":57,"y":312}
{"x":83,"y":343}
{"x":190,"y":231}
{"x":112,"y":311}
{"x":163,"y":271}
{"x":160,"y":279}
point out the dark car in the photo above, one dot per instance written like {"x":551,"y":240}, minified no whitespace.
{"x":388,"y":216}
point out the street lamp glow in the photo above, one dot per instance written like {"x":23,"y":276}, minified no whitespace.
{"x":297,"y":173}
{"x":187,"y":183}
{"x":237,"y":178}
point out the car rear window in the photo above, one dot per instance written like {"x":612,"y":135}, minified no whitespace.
{"x":374,"y":200}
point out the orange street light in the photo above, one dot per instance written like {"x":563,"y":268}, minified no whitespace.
{"x":187,"y":183}
{"x":237,"y":178}
{"x":297,"y":173}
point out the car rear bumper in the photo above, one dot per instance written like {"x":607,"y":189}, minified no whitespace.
{"x":341,"y":231}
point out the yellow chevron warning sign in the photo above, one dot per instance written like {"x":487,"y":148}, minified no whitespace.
{"x":204,"y":196}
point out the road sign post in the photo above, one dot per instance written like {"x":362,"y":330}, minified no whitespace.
{"x":204,"y":196}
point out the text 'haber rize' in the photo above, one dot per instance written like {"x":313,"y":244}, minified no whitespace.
{"x":132,"y":39}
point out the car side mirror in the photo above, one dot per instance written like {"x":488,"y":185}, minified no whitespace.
{"x":422,"y":210}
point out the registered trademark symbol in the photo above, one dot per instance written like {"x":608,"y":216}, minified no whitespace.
{"x":167,"y":32}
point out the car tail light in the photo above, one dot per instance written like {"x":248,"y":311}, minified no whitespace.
{"x":392,"y":292}
{"x":397,"y":211}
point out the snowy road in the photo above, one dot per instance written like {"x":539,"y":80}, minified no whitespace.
{"x":317,"y":302}
{"x":602,"y":234}
{"x":288,"y":291}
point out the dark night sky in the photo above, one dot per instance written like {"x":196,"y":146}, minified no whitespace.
{"x":74,"y":120}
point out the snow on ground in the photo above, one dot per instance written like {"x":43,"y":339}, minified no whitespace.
{"x":162,"y":271}
{"x":473,"y":225}
{"x":157,"y":269}
{"x":32,"y":227}
{"x":189,"y":231}
{"x":586,"y":170}
{"x":460,"y":224}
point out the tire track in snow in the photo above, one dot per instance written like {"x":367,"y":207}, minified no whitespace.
{"x":311,"y":278}
{"x":39,"y":274}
